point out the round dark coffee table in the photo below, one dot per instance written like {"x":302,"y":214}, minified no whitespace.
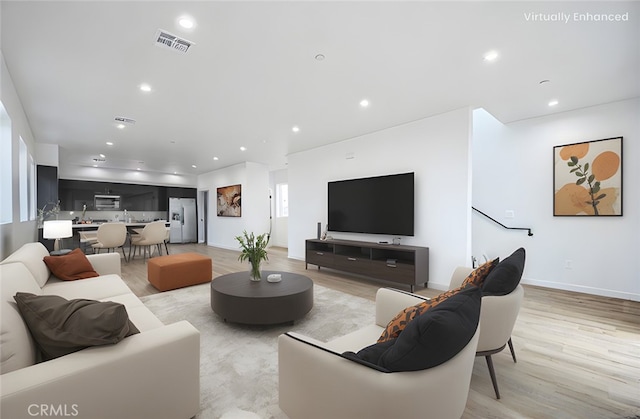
{"x":238,"y":299}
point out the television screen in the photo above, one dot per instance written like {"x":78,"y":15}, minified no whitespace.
{"x":375,"y":205}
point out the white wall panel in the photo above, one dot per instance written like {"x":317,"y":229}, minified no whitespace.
{"x":512,"y":170}
{"x":436,"y":149}
{"x":254,"y":179}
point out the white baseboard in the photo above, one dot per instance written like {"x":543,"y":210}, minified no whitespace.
{"x":565,"y":287}
{"x":580,"y":288}
{"x":221,"y":246}
{"x":550,"y":284}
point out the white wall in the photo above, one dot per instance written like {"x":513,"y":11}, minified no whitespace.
{"x":512,"y":170}
{"x":436,"y":149}
{"x":47,"y":154}
{"x":254,"y":178}
{"x":15,"y":234}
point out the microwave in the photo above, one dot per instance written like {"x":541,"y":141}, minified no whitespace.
{"x":107,"y":202}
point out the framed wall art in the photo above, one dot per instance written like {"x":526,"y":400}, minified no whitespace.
{"x":587,"y":178}
{"x":229,"y":201}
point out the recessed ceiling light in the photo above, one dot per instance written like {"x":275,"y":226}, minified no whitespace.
{"x":95,"y":165}
{"x":109,"y":143}
{"x":194,"y":166}
{"x":491,"y":56}
{"x":319,"y":57}
{"x":145,"y":87}
{"x":121,"y":126}
{"x":102,"y":155}
{"x":175,"y":173}
{"x":186,"y":22}
{"x":364,"y":103}
{"x":295,"y":129}
{"x":215,"y":158}
{"x":138,"y":168}
{"x":243,"y":148}
{"x":553,"y":102}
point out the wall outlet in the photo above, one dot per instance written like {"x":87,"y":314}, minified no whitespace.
{"x":509,"y":214}
{"x":568,"y":264}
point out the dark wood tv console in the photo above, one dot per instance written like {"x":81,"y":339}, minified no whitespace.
{"x":397,"y":263}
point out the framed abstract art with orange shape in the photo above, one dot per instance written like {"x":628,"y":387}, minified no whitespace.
{"x":229,"y":201}
{"x":587,"y":178}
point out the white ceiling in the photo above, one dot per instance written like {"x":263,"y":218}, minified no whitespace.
{"x":252,"y":73}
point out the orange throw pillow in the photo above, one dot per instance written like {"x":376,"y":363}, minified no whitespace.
{"x":74,"y":265}
{"x":400,"y":321}
{"x":480,"y":273}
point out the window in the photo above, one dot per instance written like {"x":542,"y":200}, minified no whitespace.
{"x":31,"y":184}
{"x":6,"y":198}
{"x":23,"y":166}
{"x":27,"y":184}
{"x":282,"y":200}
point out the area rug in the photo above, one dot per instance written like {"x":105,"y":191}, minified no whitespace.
{"x":239,"y":363}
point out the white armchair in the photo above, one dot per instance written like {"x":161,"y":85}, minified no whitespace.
{"x":316,"y":381}
{"x":498,"y":316}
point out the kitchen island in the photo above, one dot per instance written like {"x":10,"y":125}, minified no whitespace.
{"x":74,"y":241}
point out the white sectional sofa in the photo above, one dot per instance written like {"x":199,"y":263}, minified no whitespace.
{"x":153,"y":374}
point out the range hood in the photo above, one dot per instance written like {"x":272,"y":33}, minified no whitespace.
{"x":107,"y":202}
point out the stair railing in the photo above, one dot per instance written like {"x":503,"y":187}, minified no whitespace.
{"x":502,"y":225}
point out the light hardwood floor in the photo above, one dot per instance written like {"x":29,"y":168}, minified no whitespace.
{"x":578,"y":355}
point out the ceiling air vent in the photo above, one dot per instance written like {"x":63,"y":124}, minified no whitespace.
{"x":99,"y":160}
{"x":165,"y":39}
{"x":123,"y":120}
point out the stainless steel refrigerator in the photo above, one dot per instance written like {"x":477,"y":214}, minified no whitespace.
{"x":182,"y":216}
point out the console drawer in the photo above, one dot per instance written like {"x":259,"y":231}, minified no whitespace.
{"x":400,"y":272}
{"x":320,"y":258}
{"x":354,"y":264}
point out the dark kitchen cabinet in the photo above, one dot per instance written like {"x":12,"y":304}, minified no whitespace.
{"x":139,"y":197}
{"x":46,"y":186}
{"x":76,"y":193}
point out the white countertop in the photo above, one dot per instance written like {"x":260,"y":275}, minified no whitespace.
{"x":96,"y":225}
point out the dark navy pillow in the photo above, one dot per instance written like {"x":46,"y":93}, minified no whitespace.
{"x":432,"y":338}
{"x":372,"y":354}
{"x":505,"y":277}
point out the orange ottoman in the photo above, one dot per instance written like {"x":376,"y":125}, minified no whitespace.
{"x":179,"y":270}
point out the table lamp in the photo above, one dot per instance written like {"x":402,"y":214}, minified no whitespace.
{"x":57,"y":229}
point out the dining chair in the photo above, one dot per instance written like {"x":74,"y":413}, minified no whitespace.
{"x":153,"y":234}
{"x":87,"y":238}
{"x":111,"y":236}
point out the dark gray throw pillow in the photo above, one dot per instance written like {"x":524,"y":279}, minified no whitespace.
{"x":371,"y":354}
{"x":432,"y":338}
{"x":60,"y":326}
{"x":505,"y":277}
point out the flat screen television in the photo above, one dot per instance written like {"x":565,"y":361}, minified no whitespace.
{"x":375,"y":205}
